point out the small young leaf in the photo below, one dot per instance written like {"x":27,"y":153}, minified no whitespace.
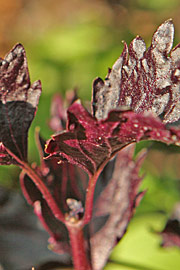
{"x":59,"y":110}
{"x":18,"y":102}
{"x":58,"y":114}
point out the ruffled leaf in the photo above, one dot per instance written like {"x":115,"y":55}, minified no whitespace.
{"x":90,"y":143}
{"x":143,"y":80}
{"x":18,"y":103}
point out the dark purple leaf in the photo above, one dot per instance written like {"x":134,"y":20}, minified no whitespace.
{"x":142,"y":85}
{"x":90,"y":143}
{"x":143,"y":80}
{"x":18,"y":103}
{"x":116,"y":204}
{"x":171,"y":231}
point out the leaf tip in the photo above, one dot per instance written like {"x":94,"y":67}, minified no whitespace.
{"x":163,"y":37}
{"x":98,"y":83}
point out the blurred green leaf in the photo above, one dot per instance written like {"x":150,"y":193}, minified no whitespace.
{"x":139,"y":249}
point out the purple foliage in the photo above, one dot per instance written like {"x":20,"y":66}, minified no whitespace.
{"x":143,"y":80}
{"x":89,"y":142}
{"x":85,"y":191}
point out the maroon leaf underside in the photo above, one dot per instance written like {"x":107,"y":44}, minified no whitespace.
{"x":58,"y":233}
{"x":18,"y":104}
{"x":117,"y":202}
{"x":143,"y":80}
{"x":90,"y":143}
{"x":63,"y":181}
{"x":171,"y":232}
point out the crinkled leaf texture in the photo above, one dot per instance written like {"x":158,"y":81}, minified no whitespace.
{"x":90,"y":143}
{"x":18,"y":104}
{"x":142,"y":85}
{"x":143,"y":80}
{"x":171,"y":231}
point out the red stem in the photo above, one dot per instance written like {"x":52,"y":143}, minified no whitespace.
{"x":45,"y":192}
{"x":41,"y":186}
{"x":90,"y":193}
{"x":77,"y":242}
{"x":90,"y":196}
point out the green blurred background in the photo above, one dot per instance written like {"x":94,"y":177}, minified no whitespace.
{"x":68,"y":44}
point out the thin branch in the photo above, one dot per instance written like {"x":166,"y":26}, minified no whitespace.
{"x":90,"y":195}
{"x":40,"y":185}
{"x":78,"y":246}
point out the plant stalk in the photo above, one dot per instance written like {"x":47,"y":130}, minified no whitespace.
{"x":90,"y":195}
{"x":78,"y":246}
{"x":90,"y":192}
{"x":44,"y":191}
